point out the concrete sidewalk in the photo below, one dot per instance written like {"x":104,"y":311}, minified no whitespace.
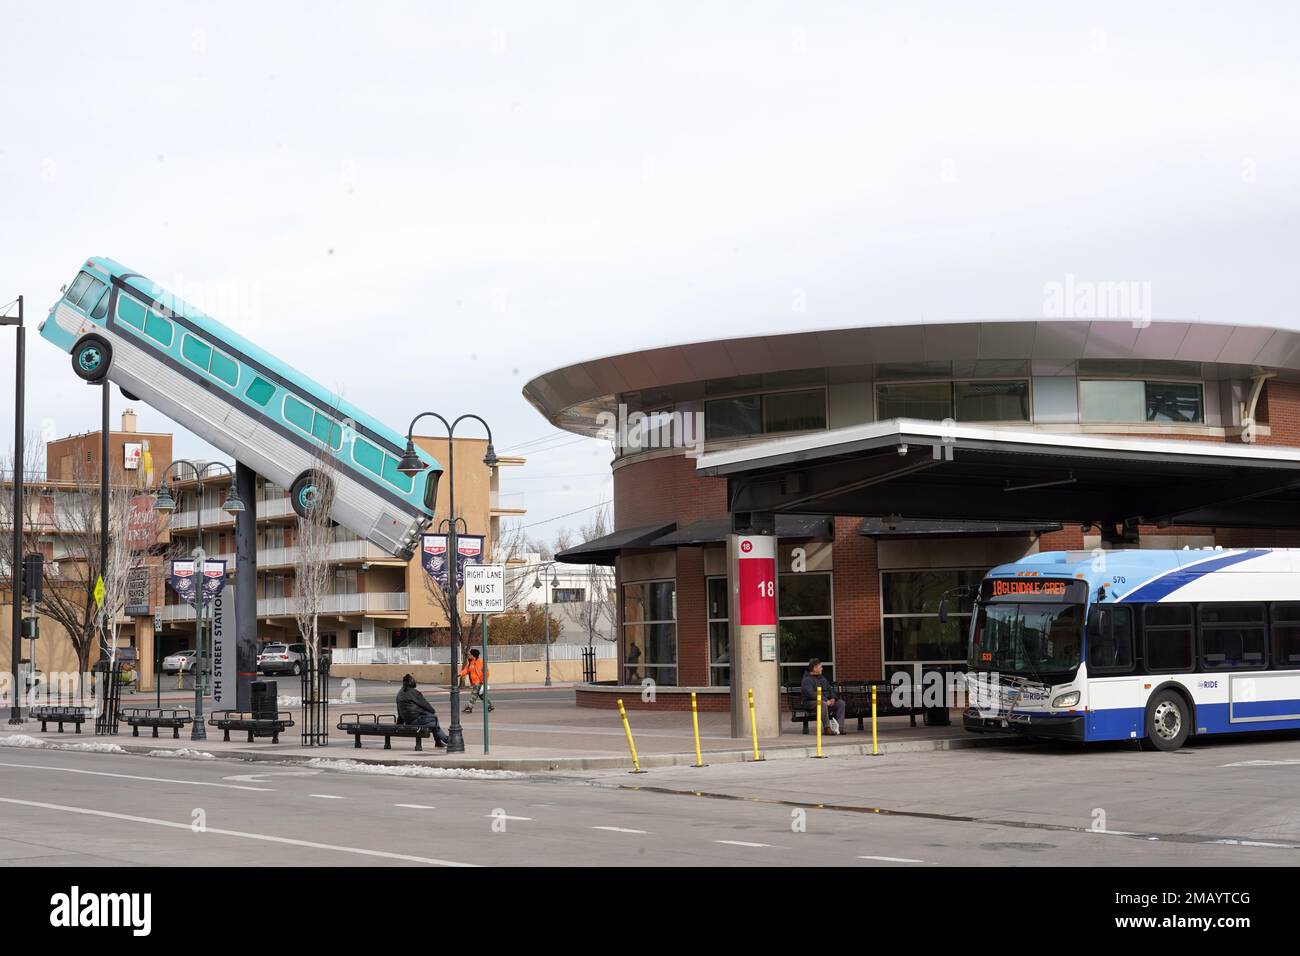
{"x":535,"y":735}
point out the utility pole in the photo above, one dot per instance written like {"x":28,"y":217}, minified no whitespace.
{"x":16,"y":559}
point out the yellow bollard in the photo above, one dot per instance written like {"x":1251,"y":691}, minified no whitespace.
{"x":631,"y":745}
{"x":753,"y":725}
{"x":875,"y":749}
{"x":818,"y":721}
{"x":695,"y":722}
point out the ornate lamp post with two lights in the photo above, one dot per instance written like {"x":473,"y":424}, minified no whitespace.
{"x":164,"y":501}
{"x":411,"y":464}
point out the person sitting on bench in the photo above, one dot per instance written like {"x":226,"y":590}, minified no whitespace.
{"x":413,"y":709}
{"x":811,"y":681}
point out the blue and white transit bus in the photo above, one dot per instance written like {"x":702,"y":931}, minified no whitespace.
{"x":119,"y":326}
{"x":1152,"y":646}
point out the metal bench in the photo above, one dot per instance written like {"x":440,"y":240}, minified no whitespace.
{"x":857,"y":702}
{"x":176,"y":718}
{"x":50,"y":714}
{"x":382,"y":725}
{"x":254,"y":725}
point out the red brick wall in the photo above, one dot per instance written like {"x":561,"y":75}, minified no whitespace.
{"x":1279,"y":406}
{"x":665,"y":489}
{"x":856,"y":582}
{"x":692,"y":619}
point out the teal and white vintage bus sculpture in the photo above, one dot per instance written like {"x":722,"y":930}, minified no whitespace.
{"x":119,"y":326}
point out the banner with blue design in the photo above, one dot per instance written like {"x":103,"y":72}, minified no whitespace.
{"x":469,"y":550}
{"x":189,"y":584}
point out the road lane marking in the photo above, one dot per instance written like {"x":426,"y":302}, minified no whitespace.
{"x":415,"y":806}
{"x":1274,"y":846}
{"x":260,"y":777}
{"x":757,"y":846}
{"x":622,"y":830}
{"x":243,"y":835}
{"x":505,"y":816}
{"x":324,"y":796}
{"x":891,"y":859}
{"x":1262,"y":763}
{"x":131,"y":776}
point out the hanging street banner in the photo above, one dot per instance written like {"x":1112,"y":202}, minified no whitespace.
{"x":187,"y":584}
{"x":485,"y":589}
{"x":137,"y":592}
{"x":469,"y":550}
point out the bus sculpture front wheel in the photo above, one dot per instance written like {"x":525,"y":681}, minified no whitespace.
{"x":91,"y":358}
{"x":306,"y":491}
{"x":1168,"y":721}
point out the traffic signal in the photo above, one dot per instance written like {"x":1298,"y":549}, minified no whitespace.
{"x":33,"y":577}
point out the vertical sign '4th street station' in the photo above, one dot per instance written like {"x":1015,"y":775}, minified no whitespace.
{"x":485,"y":588}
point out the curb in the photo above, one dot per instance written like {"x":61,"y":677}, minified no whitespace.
{"x":551,"y":764}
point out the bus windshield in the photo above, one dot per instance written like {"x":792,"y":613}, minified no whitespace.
{"x":1030,"y":638}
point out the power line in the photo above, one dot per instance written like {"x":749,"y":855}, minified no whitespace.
{"x":534,"y":524}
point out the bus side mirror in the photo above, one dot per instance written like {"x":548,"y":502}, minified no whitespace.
{"x":943,"y":611}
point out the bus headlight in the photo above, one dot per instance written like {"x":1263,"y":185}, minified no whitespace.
{"x":1067,"y":700}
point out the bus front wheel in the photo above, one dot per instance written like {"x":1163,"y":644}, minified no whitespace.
{"x":306,"y":492}
{"x":91,"y":358}
{"x":1168,"y":721}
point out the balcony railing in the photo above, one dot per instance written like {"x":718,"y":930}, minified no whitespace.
{"x":215,"y":517}
{"x":382,"y":602}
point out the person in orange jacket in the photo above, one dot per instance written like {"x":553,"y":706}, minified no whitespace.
{"x":476,"y":671}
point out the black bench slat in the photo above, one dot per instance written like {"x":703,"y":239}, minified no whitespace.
{"x":382,"y":725}
{"x":59,"y":714}
{"x":169,"y":718}
{"x":228,"y":720}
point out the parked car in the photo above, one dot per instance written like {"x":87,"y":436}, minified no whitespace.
{"x":179,"y":663}
{"x":282,"y":658}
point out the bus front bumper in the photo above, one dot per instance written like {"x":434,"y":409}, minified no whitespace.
{"x":1064,"y":727}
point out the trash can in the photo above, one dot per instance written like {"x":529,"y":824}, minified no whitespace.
{"x":937,"y":717}
{"x":264,"y":700}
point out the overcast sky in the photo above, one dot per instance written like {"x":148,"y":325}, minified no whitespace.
{"x":424,"y":205}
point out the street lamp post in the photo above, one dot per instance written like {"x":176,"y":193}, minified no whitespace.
{"x":411,"y":464}
{"x":546,"y":622}
{"x":165,"y":502}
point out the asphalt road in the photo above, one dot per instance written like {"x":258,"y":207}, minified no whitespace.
{"x":1033,"y":807}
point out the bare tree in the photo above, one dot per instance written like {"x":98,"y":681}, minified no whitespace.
{"x":511,"y":549}
{"x":312,"y":564}
{"x":127,"y":560}
{"x":597,"y":612}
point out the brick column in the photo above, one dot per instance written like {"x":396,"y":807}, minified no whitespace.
{"x":692,"y":619}
{"x":856,"y":580}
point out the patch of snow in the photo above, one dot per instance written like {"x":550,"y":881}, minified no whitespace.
{"x":353,"y":766}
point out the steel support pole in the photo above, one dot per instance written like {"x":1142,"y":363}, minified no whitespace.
{"x":104,"y":630}
{"x":245,"y":587}
{"x":16,"y":564}
{"x":455,"y":735}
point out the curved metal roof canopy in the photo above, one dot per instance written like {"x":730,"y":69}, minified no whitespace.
{"x":931,"y":470}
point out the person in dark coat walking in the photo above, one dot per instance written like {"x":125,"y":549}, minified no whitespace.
{"x":412,"y":708}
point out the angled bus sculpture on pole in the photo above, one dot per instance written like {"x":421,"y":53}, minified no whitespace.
{"x":119,"y":326}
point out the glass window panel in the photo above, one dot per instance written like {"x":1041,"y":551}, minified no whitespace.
{"x":919,"y":592}
{"x":1164,"y":615}
{"x":1056,"y":400}
{"x":633,"y":603}
{"x":130,"y":311}
{"x":1112,"y":401}
{"x":931,"y":401}
{"x":992,"y":401}
{"x":157,"y":328}
{"x":395,"y":477}
{"x":78,"y":287}
{"x":1286,"y":645}
{"x":804,"y":595}
{"x":1286,"y":612}
{"x":367,"y":456}
{"x":719,"y":599}
{"x":1232,"y":647}
{"x":320,"y":428}
{"x":794,"y":411}
{"x":925,"y":639}
{"x":662,"y":604}
{"x":1169,"y":649}
{"x":225,"y":368}
{"x":733,"y":417}
{"x":661,"y":643}
{"x":101,"y":307}
{"x":196,"y":352}
{"x":719,"y":643}
{"x":801,"y":640}
{"x":1112,"y":648}
{"x":260,"y":391}
{"x":1232,"y":614}
{"x":297,"y":413}
{"x":1174,"y":402}
{"x":91,"y":294}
